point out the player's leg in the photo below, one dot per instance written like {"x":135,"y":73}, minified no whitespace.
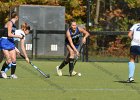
{"x":1,"y":59}
{"x":4,"y":51}
{"x":1,"y":56}
{"x":71,"y":60}
{"x":63,"y":64}
{"x":13,"y":65}
{"x":134,"y":50}
{"x":7,"y":64}
{"x":4,"y":66}
{"x":131,"y":67}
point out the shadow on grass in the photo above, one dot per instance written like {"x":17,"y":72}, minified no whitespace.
{"x":67,"y":75}
{"x":125,"y":82}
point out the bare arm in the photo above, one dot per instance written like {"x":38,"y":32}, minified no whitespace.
{"x":22,"y":41}
{"x":9,"y":26}
{"x":17,"y":51}
{"x":130,"y":34}
{"x":86,"y":34}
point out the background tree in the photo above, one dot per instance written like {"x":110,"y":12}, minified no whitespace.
{"x":113,"y":15}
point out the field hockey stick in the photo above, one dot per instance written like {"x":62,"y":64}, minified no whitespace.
{"x":76,"y":58}
{"x":46,"y":76}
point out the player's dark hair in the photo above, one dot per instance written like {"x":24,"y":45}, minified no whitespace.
{"x":73,"y":20}
{"x":13,"y":14}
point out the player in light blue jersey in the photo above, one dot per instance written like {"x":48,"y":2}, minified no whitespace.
{"x":134,"y":35}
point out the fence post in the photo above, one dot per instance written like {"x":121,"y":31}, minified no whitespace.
{"x":34,"y":48}
{"x":87,"y":28}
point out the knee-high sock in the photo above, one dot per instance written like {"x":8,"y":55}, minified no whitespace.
{"x":8,"y":67}
{"x":71,"y":66}
{"x":4,"y":66}
{"x":13,"y":68}
{"x":131,"y":66}
{"x":64,"y":63}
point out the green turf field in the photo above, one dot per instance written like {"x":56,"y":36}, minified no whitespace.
{"x":99,"y":81}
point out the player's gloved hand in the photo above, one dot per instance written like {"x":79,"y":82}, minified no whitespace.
{"x":27,"y":59}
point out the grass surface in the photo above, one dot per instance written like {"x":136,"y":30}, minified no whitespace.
{"x":99,"y":81}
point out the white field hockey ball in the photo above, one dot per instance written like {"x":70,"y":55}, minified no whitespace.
{"x":79,"y":74}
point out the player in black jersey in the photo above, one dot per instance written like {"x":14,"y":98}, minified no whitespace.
{"x":72,"y":43}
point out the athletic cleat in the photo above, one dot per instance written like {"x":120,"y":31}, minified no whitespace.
{"x":130,"y":80}
{"x":74,"y":73}
{"x":59,"y":72}
{"x":3,"y":74}
{"x":13,"y":76}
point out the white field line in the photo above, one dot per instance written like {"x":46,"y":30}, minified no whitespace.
{"x":73,"y":89}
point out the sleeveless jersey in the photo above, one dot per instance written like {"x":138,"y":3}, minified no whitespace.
{"x":7,"y":43}
{"x":5,"y":33}
{"x":75,"y":36}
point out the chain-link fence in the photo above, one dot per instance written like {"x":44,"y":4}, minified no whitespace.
{"x":109,"y":46}
{"x":103,"y":46}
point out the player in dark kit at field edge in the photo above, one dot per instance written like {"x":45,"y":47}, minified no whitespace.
{"x":72,"y":43}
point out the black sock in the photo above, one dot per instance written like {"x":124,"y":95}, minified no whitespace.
{"x":4,"y":66}
{"x":13,"y":68}
{"x":64,"y":63}
{"x":71,"y":66}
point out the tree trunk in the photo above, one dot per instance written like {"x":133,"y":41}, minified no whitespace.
{"x":97,"y":12}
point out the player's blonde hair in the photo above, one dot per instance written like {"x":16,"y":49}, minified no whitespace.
{"x":25,"y":26}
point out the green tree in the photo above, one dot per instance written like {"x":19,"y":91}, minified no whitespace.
{"x":115,"y":15}
{"x":111,"y":15}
